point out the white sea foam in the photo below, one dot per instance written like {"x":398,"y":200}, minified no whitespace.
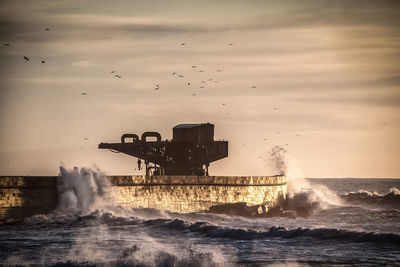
{"x":82,"y":190}
{"x":300,"y":192}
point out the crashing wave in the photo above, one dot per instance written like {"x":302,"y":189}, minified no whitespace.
{"x":82,"y":190}
{"x":214,"y":231}
{"x":365,"y":197}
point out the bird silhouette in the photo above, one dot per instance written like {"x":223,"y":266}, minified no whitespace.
{"x":231,"y":44}
{"x":83,"y":93}
{"x":43,"y":61}
{"x":188,"y":83}
{"x":182,"y":43}
{"x":173,"y":73}
{"x":113,"y":71}
{"x":26,"y":58}
{"x":180,"y":76}
{"x":6,"y":44}
{"x":47,"y":29}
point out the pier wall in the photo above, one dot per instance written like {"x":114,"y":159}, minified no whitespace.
{"x":196,"y":193}
{"x":25,"y":196}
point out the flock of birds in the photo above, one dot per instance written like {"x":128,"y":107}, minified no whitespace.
{"x":27,"y":58}
{"x":157,"y":86}
{"x":175,"y":74}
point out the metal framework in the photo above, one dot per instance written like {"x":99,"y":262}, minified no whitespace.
{"x":190,"y":152}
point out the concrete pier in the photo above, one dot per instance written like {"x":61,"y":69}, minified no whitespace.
{"x":24,"y":196}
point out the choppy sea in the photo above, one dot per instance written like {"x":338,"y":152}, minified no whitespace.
{"x":352,"y":222}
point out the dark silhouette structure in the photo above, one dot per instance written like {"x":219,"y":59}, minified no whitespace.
{"x":190,"y":152}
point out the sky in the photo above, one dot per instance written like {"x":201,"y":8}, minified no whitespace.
{"x":319,"y":78}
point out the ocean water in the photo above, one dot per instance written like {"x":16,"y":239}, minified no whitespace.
{"x":350,"y":222}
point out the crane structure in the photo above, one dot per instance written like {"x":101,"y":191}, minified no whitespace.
{"x":190,"y":151}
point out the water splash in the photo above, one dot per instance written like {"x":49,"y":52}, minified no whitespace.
{"x":304,"y":197}
{"x":277,"y":155}
{"x":82,"y":190}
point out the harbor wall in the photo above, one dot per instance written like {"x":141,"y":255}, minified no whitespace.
{"x":24,"y":196}
{"x":197,"y":193}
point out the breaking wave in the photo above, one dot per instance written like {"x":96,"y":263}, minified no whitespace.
{"x":206,"y":229}
{"x":365,"y":197}
{"x":82,"y":190}
{"x":214,"y":231}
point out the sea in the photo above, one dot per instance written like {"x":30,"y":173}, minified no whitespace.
{"x":349,"y":221}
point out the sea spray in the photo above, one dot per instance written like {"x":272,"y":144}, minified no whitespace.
{"x":302,"y":196}
{"x":82,"y":190}
{"x":278,"y":159}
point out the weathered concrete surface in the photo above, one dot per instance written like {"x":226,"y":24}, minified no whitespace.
{"x":196,"y":193}
{"x":21,"y":197}
{"x":25,"y":196}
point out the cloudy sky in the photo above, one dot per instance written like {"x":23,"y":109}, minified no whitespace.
{"x":319,"y":78}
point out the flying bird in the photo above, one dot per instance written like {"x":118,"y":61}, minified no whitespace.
{"x":188,"y":83}
{"x":180,"y":76}
{"x":43,"y":61}
{"x":223,"y":104}
{"x":113,"y":71}
{"x":231,"y":44}
{"x":173,"y":73}
{"x":26,"y":58}
{"x":47,"y":29}
{"x":83,"y":93}
{"x":6,"y":44}
{"x":182,"y":43}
